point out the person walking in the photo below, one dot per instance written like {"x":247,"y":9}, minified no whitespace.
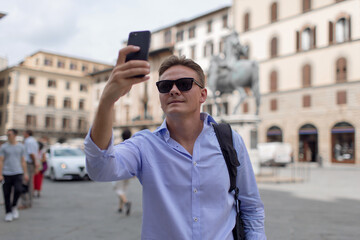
{"x":31,"y":151}
{"x":180,"y":165}
{"x":38,"y":177}
{"x":121,"y":186}
{"x":13,"y":170}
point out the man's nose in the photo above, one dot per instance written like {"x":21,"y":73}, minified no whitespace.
{"x":174,"y":90}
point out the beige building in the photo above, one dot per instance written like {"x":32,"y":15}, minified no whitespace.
{"x":308,"y":52}
{"x":49,"y":94}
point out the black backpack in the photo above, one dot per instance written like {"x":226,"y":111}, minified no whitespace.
{"x":224,"y":135}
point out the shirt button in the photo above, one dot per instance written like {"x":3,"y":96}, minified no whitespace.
{"x":195,"y":163}
{"x":195,"y":219}
{"x":195,"y":190}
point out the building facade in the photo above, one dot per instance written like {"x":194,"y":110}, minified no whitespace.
{"x":309,"y":75}
{"x":49,"y":94}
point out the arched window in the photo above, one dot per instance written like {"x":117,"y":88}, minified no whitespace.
{"x":274,"y":12}
{"x":306,"y":76}
{"x":342,"y":30}
{"x":343,"y":143}
{"x":273,"y":81}
{"x":274,"y":134}
{"x":308,"y":143}
{"x":341,"y":70}
{"x":273,"y":47}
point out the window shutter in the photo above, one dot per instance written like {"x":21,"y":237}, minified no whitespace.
{"x":341,"y":97}
{"x":297,"y":41}
{"x":349,"y":25}
{"x":273,"y":81}
{"x":331,"y":33}
{"x":314,"y":37}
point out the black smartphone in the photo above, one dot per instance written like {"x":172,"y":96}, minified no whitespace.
{"x":141,"y":39}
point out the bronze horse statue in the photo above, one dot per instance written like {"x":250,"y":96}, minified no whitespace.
{"x":231,"y":73}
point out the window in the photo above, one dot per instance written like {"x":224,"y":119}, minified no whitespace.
{"x":209,"y":26}
{"x":306,"y":38}
{"x":66,"y":123}
{"x":193,"y":52}
{"x":51,"y":83}
{"x":32,"y":99}
{"x":306,"y":101}
{"x":61,"y":64}
{"x":31,"y":80}
{"x":67,"y":103}
{"x":306,"y":76}
{"x":49,"y":122}
{"x":225,"y":21}
{"x":209,"y":49}
{"x":1,"y":99}
{"x":342,"y":30}
{"x":273,"y":12}
{"x":192,"y":32}
{"x":274,"y":134}
{"x":341,"y":70}
{"x":273,"y":47}
{"x":48,"y":62}
{"x":73,"y":66}
{"x":273,"y":81}
{"x":85,"y":68}
{"x":30,"y":120}
{"x":180,"y":36}
{"x":7,"y":98}
{"x":221,"y":45}
{"x":83,"y":88}
{"x":273,"y":105}
{"x":306,"y":5}
{"x":245,"y":107}
{"x":81,"y":104}
{"x":341,"y":97}
{"x":167,"y":37}
{"x":246,"y":22}
{"x":82,"y":124}
{"x":343,"y":143}
{"x":2,"y":82}
{"x":67,"y":85}
{"x":50,"y":102}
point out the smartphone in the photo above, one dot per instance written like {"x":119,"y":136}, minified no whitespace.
{"x":141,"y":39}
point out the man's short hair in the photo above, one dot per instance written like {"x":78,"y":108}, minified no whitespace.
{"x":14,"y":131}
{"x":29,"y":132}
{"x":182,"y":61}
{"x":126,"y":134}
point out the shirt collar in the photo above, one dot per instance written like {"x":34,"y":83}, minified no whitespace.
{"x":163,"y":131}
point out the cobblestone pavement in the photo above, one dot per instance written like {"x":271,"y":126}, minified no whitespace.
{"x":325,"y":205}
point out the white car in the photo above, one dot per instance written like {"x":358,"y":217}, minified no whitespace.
{"x":65,"y":163}
{"x":275,"y":153}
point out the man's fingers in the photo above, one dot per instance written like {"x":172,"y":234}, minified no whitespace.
{"x":125,"y":51}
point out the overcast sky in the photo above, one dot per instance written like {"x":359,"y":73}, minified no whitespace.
{"x":89,"y":29}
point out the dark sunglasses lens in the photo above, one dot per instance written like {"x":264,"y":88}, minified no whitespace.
{"x":164,"y":86}
{"x":184,"y":84}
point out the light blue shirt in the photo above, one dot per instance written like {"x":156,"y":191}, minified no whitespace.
{"x":184,"y":196}
{"x":31,"y":147}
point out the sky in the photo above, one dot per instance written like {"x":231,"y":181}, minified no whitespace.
{"x":88,"y":29}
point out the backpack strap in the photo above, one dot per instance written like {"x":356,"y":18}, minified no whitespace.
{"x":224,"y":135}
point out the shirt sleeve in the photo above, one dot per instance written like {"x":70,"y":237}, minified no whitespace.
{"x":252,"y":208}
{"x":114,"y":163}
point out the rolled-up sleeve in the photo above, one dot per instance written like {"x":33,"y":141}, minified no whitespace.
{"x":252,"y":208}
{"x":111,"y":164}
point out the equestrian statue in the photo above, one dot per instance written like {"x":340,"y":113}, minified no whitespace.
{"x":232,"y":73}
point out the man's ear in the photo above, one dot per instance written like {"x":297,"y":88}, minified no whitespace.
{"x":203,"y":95}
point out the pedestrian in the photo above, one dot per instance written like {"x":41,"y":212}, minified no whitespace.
{"x":180,"y":165}
{"x":121,"y":186}
{"x":31,"y":151}
{"x":38,"y":177}
{"x":12,"y":173}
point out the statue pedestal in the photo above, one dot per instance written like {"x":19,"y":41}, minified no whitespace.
{"x":246,"y":126}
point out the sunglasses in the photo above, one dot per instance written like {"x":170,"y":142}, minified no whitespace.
{"x":183,"y":84}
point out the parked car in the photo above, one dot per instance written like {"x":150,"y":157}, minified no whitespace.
{"x":65,"y":163}
{"x":275,"y":153}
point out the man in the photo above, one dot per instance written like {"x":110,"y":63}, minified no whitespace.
{"x":31,"y":151}
{"x":12,"y":170}
{"x":180,"y":165}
